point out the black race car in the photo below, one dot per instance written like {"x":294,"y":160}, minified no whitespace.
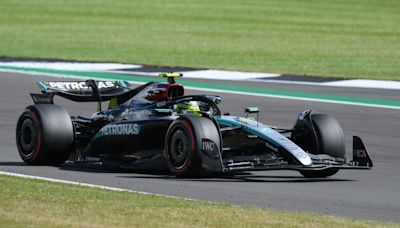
{"x":155,"y":126}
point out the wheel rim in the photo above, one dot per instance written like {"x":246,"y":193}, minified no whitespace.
{"x":27,"y":137}
{"x":179,"y":148}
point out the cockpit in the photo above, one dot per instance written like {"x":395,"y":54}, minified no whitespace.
{"x":155,"y":92}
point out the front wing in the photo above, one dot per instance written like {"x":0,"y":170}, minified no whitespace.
{"x":361,"y":160}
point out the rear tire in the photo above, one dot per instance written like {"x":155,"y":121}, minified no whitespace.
{"x":44,"y":135}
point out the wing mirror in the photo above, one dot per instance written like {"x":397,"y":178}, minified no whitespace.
{"x":250,"y":110}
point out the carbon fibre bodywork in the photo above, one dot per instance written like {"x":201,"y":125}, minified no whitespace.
{"x":133,"y":131}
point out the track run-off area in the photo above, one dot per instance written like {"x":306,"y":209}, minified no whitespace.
{"x":372,"y":114}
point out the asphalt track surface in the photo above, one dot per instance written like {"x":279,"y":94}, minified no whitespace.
{"x":373,"y":194}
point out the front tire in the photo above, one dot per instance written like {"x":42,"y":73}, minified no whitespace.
{"x":44,"y":135}
{"x":330,"y":135}
{"x":319,"y":173}
{"x":328,"y":139}
{"x":183,"y":151}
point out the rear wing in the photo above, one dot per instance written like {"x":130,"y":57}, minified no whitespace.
{"x":79,"y":91}
{"x":86,"y":91}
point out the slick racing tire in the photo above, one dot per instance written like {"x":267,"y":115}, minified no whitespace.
{"x":330,"y":141}
{"x":44,"y":135}
{"x":183,"y":145}
{"x":330,"y":135}
{"x":318,"y":173}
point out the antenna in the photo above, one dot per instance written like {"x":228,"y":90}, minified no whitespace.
{"x":170,"y":76}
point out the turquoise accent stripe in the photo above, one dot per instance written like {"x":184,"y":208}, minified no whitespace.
{"x":248,"y":129}
{"x":227,"y":122}
{"x":123,"y":83}
{"x":43,"y":85}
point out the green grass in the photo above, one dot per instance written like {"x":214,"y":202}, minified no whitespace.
{"x":351,"y":38}
{"x":26,"y":202}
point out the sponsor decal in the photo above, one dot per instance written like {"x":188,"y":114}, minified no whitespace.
{"x":266,"y":130}
{"x":80,"y":85}
{"x":360,"y":153}
{"x":247,"y":121}
{"x":209,"y":147}
{"x":289,"y":145}
{"x":120,"y":129}
{"x":301,"y":154}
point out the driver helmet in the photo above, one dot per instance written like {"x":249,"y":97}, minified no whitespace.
{"x":163,"y":91}
{"x":190,"y":107}
{"x":157,"y":92}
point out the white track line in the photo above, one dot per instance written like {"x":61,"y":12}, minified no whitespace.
{"x":206,"y":74}
{"x":296,"y":98}
{"x":219,"y":90}
{"x":201,"y":74}
{"x":355,"y":83}
{"x":91,"y":185}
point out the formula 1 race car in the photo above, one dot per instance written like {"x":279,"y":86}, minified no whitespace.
{"x":156,"y":127}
